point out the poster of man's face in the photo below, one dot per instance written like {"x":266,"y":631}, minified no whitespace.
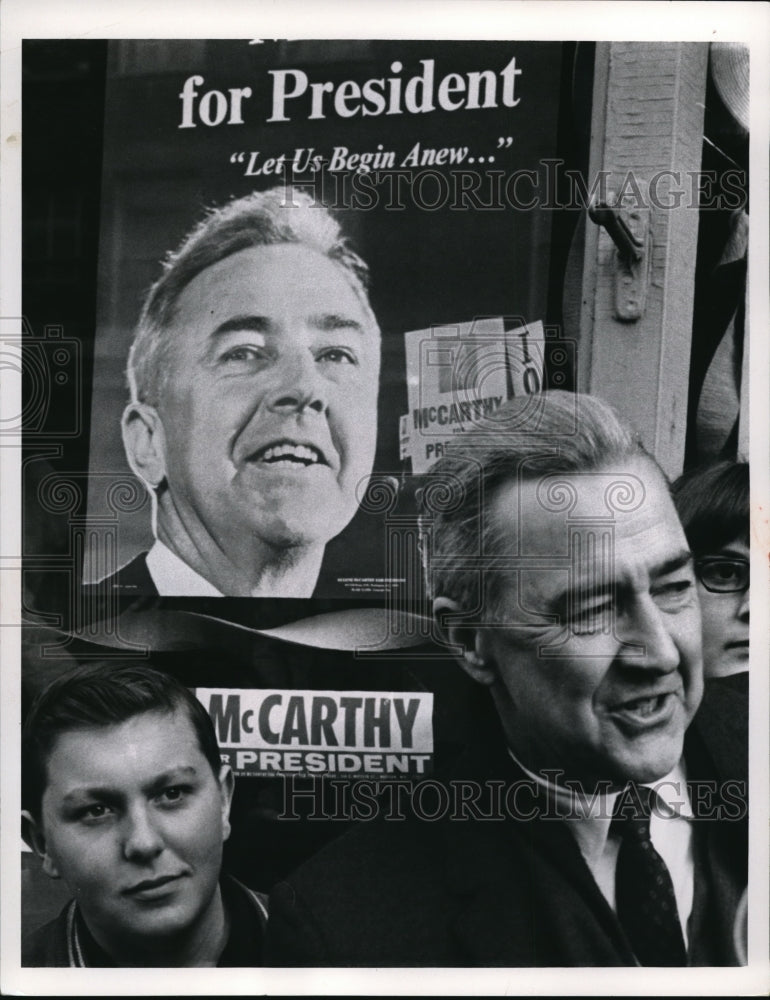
{"x":263,"y":424}
{"x":252,"y":368}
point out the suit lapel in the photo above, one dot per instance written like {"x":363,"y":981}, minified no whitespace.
{"x":494,"y":922}
{"x":526,"y":897}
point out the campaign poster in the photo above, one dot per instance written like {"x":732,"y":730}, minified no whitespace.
{"x":424,"y":153}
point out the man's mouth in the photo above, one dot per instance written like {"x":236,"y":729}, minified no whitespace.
{"x":289,"y":454}
{"x":647,"y":711}
{"x":644,"y":706}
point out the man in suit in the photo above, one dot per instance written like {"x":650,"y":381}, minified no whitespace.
{"x":127,"y":802}
{"x":254,"y":375}
{"x":593,"y":827}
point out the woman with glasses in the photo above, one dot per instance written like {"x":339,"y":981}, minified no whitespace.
{"x":713,"y":504}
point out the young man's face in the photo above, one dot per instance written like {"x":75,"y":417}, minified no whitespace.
{"x":133,"y":821}
{"x":598,"y":650}
{"x":269,"y":414}
{"x":725,"y":613}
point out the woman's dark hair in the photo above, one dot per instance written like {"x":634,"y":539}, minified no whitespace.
{"x":713,"y":505}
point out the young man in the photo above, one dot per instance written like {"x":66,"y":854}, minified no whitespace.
{"x":126,"y":800}
{"x":713,"y":505}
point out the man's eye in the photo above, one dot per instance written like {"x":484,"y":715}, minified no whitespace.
{"x":93,"y":813}
{"x":245,"y":352}
{"x":587,"y":621}
{"x":672,"y":594}
{"x":173,"y":794}
{"x":338,"y":356}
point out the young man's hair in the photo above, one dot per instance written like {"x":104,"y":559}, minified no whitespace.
{"x":713,"y":505}
{"x":527,"y":438}
{"x":99,"y":695}
{"x":262,"y":218}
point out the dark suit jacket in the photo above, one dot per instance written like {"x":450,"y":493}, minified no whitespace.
{"x":723,"y":723}
{"x":131,"y":580}
{"x":470,"y":892}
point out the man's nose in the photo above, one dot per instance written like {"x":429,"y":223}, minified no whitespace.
{"x":648,"y":642}
{"x":298,"y":385}
{"x":142,"y":840}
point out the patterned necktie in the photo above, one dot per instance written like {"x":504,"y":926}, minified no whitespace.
{"x":644,"y":892}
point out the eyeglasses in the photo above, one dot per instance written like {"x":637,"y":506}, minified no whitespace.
{"x":721,"y":575}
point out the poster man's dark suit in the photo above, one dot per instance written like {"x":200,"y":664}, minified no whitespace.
{"x":134,"y":580}
{"x":475,"y":892}
{"x":131,"y":580}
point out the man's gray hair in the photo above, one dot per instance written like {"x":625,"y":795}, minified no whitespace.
{"x":262,"y":218}
{"x":527,"y":438}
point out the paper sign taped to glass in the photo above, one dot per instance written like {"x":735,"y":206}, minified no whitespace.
{"x":278,"y":731}
{"x":457,"y":375}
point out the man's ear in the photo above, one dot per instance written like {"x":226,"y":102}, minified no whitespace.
{"x":226,"y":788}
{"x":32,"y":832}
{"x":145,"y":443}
{"x":468,"y":638}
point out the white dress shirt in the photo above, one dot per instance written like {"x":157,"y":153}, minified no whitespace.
{"x":590,"y":819}
{"x":173,"y":577}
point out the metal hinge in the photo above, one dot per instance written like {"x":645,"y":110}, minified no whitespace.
{"x":629,"y":230}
